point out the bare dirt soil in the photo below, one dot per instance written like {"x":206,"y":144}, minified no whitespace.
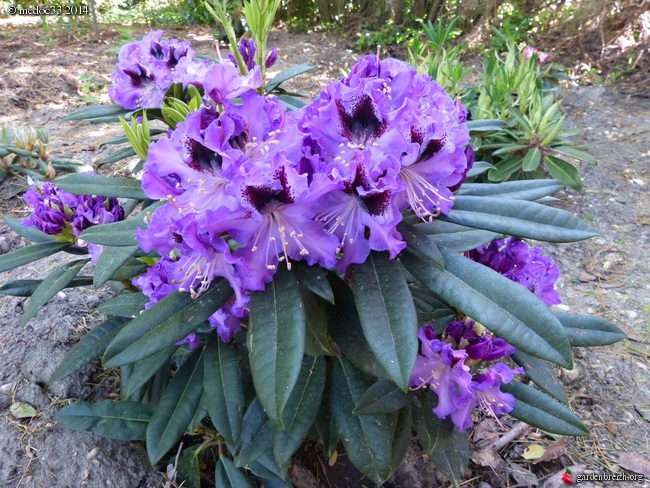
{"x":47,"y":75}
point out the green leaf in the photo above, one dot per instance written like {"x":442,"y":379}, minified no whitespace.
{"x":229,"y":476}
{"x":541,"y":373}
{"x":31,"y":233}
{"x":26,"y":288}
{"x":479,"y":168}
{"x":373,"y":442}
{"x":276,"y":341}
{"x":164,"y":324}
{"x":313,"y":279}
{"x":111,"y":259}
{"x":124,"y":305}
{"x":50,"y":286}
{"x":456,"y":237}
{"x":518,"y":218}
{"x":418,"y":242}
{"x":301,"y":410}
{"x":519,"y":190}
{"x":387,"y":315}
{"x":381,"y":398}
{"x":115,"y":156}
{"x":188,"y":471}
{"x":509,"y":148}
{"x":503,"y":169}
{"x":532,"y":160}
{"x":176,"y":408}
{"x":91,"y":346}
{"x":503,"y":306}
{"x":224,"y":389}
{"x":115,"y":234}
{"x":130,"y":269}
{"x":89,"y":113}
{"x":292,"y":103}
{"x":345,"y":328}
{"x":324,"y":429}
{"x":576,"y":153}
{"x":105,"y":186}
{"x":316,"y":340}
{"x":564,"y":171}
{"x":485,"y":125}
{"x":287,"y":74}
{"x":123,"y":420}
{"x":147,"y":368}
{"x":256,"y":435}
{"x":440,"y":439}
{"x":22,"y":410}
{"x":30,"y":253}
{"x":540,"y":410}
{"x":586,"y":331}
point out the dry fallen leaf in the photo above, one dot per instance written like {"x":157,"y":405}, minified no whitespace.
{"x":634,"y":462}
{"x":487,"y":457}
{"x":22,"y":410}
{"x":553,"y":451}
{"x":533,"y":452}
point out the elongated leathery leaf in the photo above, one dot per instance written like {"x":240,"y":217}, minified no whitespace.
{"x":381,"y":398}
{"x":503,"y":306}
{"x":146,"y":368}
{"x":165,"y":323}
{"x":91,"y":346}
{"x":540,"y":372}
{"x":176,"y":408}
{"x":540,"y":410}
{"x":417,"y":241}
{"x":224,"y":390}
{"x":105,"y":186}
{"x":456,"y":237}
{"x":276,"y":341}
{"x":586,"y":331}
{"x":312,"y":278}
{"x":26,"y":288}
{"x":518,"y":190}
{"x":228,"y":475}
{"x":373,"y":443}
{"x":316,"y":340}
{"x":387,"y":315}
{"x":30,"y":253}
{"x":444,"y":444}
{"x":564,"y":171}
{"x":88,"y":113}
{"x":50,"y":286}
{"x":256,"y":435}
{"x":519,"y":218}
{"x":31,"y":233}
{"x":301,"y":410}
{"x":188,"y":471}
{"x":287,"y":74}
{"x":124,"y":305}
{"x":111,"y":259}
{"x":126,"y":421}
{"x":118,"y":233}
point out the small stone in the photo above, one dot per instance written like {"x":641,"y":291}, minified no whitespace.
{"x":570,"y":375}
{"x":632,"y":314}
{"x":93,"y":453}
{"x":563,"y":307}
{"x":7,"y":388}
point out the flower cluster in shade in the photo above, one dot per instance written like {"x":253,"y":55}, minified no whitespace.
{"x":529,"y":267}
{"x":65,"y":216}
{"x":249,"y":186}
{"x":445,"y":366}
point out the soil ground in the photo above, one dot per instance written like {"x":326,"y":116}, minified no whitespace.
{"x":47,"y":75}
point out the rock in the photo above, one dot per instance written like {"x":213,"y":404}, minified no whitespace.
{"x":570,"y":376}
{"x":32,"y":394}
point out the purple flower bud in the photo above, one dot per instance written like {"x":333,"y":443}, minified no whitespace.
{"x":271,"y":58}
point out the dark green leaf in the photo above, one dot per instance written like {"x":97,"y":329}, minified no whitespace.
{"x":287,"y":74}
{"x":541,"y":373}
{"x":30,"y":253}
{"x":123,"y":420}
{"x":313,"y":279}
{"x":540,"y":410}
{"x":503,"y":306}
{"x":111,"y":259}
{"x":518,"y":218}
{"x":316,"y":340}
{"x":119,"y":155}
{"x":188,"y":470}
{"x":564,"y":171}
{"x":372,"y":442}
{"x":176,"y":408}
{"x":224,"y":389}
{"x":93,"y":112}
{"x":265,"y":468}
{"x":519,"y":190}
{"x":105,"y":186}
{"x":324,"y":429}
{"x":444,"y":444}
{"x":381,"y":398}
{"x":164,"y":324}
{"x":301,"y":410}
{"x":31,"y":233}
{"x":146,"y":368}
{"x":417,"y":241}
{"x":504,"y":168}
{"x":124,"y":305}
{"x":26,"y":288}
{"x":115,"y":234}
{"x":276,"y":341}
{"x":456,"y":237}
{"x":256,"y":435}
{"x":586,"y":331}
{"x":130,"y":269}
{"x":91,"y":346}
{"x":229,"y":476}
{"x":479,"y":168}
{"x":387,"y":315}
{"x":532,"y":160}
{"x":292,"y":103}
{"x":576,"y":153}
{"x":50,"y":286}
{"x":485,"y":125}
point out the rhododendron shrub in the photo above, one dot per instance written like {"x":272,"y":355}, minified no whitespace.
{"x":309,"y":270}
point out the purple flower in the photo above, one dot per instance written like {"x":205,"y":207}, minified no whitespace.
{"x":542,"y":57}
{"x":482,"y":346}
{"x":191,"y":340}
{"x":271,"y":58}
{"x":223,"y":82}
{"x":521,"y":264}
{"x":247,"y":48}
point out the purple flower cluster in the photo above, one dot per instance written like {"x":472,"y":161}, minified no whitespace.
{"x":247,"y":48}
{"x":64,"y":216}
{"x":524,"y":265}
{"x":249,"y":186}
{"x":445,"y":367}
